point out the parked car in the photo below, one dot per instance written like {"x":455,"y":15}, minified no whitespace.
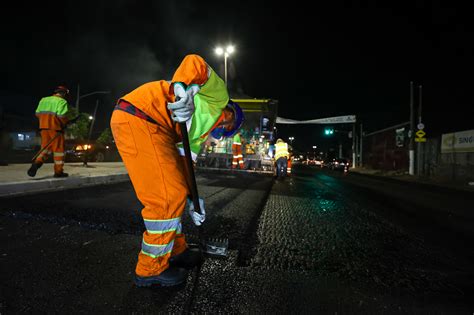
{"x":76,"y":151}
{"x":339,"y":164}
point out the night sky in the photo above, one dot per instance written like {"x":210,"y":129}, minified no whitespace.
{"x":340,"y":58}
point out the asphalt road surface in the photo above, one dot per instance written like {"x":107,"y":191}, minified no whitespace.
{"x":318,"y":242}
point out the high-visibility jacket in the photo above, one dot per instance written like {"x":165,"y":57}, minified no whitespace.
{"x":236,"y":139}
{"x":281,"y":149}
{"x":51,"y":112}
{"x":209,"y":102}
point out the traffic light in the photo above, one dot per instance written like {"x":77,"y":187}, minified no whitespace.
{"x":328,"y":131}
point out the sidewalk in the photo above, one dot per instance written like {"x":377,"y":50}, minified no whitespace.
{"x":14,"y":181}
{"x":416,"y":180}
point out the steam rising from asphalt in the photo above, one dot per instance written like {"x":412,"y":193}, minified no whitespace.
{"x":114,"y":65}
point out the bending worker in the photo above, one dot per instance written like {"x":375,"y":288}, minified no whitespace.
{"x":51,"y":112}
{"x":281,"y":157}
{"x":145,"y":126}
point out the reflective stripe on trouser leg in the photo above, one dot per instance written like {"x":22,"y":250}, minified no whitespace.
{"x":58,"y":158}
{"x":156,"y":172}
{"x":43,"y":156}
{"x":58,"y":154}
{"x":56,"y":147}
{"x":46,"y":136}
{"x":237,"y":156}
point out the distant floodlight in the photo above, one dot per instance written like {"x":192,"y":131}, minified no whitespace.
{"x":219,"y":51}
{"x":90,"y":117}
{"x":229,"y":49}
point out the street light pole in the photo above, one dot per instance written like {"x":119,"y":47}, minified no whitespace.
{"x":229,"y":50}
{"x":85,"y":95}
{"x":225,"y":67}
{"x":93,"y":119}
{"x":411,"y":168}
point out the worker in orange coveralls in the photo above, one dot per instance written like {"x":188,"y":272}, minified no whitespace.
{"x":51,"y":112}
{"x":288,"y":167}
{"x":145,"y":126}
{"x":237,"y":157}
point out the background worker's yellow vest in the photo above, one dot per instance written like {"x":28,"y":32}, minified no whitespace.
{"x":281,"y":150}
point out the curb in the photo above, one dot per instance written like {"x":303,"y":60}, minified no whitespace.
{"x":230,"y":171}
{"x":54,"y":184}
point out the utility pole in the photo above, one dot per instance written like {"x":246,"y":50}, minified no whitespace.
{"x":418,"y":146}
{"x":86,"y":155}
{"x":77,"y":98}
{"x":412,"y":133}
{"x":93,"y":119}
{"x":361,"y":147}
{"x":353,"y":145}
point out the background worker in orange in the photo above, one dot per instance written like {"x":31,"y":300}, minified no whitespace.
{"x":237,"y":157}
{"x":288,"y":165}
{"x":51,"y":112}
{"x":290,"y":160}
{"x":148,"y":137}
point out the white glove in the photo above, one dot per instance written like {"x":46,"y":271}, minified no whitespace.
{"x":198,"y":219}
{"x":183,"y":109}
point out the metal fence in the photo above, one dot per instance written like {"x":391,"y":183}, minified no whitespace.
{"x":388,"y":150}
{"x":455,"y":166}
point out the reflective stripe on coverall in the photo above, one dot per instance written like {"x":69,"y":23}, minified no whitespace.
{"x":51,"y":112}
{"x":150,"y":154}
{"x":237,"y":158}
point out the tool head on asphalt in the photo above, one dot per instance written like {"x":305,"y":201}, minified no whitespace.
{"x":216,"y":247}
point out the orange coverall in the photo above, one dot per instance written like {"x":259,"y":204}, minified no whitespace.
{"x":288,"y":168}
{"x":50,"y":124}
{"x":237,"y":158}
{"x":157,"y":171}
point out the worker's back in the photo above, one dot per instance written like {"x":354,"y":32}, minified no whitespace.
{"x":51,"y":112}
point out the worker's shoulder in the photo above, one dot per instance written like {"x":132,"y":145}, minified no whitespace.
{"x":52,"y":100}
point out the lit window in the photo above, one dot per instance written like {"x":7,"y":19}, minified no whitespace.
{"x":21,"y":137}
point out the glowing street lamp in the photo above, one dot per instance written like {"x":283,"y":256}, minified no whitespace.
{"x":291,"y":140}
{"x":226,"y":52}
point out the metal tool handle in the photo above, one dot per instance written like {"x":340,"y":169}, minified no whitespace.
{"x":55,"y":136}
{"x":46,"y":146}
{"x":189,"y":162}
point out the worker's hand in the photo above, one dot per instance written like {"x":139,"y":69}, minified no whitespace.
{"x":183,"y":108}
{"x":197,"y":218}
